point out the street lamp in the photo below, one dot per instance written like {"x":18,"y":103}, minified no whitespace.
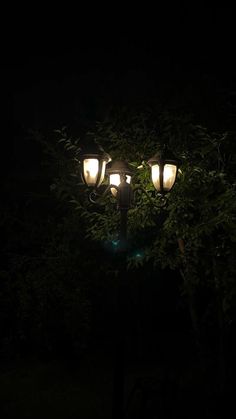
{"x":164,"y":169}
{"x":163,"y":173}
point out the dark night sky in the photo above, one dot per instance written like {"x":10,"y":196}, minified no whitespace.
{"x":54,"y":68}
{"x":47,"y":63}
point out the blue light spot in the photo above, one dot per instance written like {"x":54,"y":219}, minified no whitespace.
{"x":138,"y":255}
{"x":115,"y":243}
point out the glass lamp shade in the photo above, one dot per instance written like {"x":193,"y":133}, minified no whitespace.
{"x":93,"y":167}
{"x":163,"y":172}
{"x":118,"y":171}
{"x":115,"y":179}
{"x":91,"y":171}
{"x":168,"y":177}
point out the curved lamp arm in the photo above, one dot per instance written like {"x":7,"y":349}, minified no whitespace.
{"x":94,"y":196}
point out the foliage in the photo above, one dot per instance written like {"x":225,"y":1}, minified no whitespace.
{"x":195,"y":231}
{"x":45,"y":300}
{"x":201,"y":205}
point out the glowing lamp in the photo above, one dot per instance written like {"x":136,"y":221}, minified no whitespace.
{"x":164,"y":169}
{"x":93,"y":166}
{"x":119,"y":172}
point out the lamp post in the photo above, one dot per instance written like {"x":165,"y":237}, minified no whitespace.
{"x":164,"y":168}
{"x":120,"y":175}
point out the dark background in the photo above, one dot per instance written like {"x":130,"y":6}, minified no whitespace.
{"x":57,"y":70}
{"x":50,"y":65}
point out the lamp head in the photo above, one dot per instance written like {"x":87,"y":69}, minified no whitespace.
{"x":118,"y":172}
{"x":164,"y":168}
{"x":93,"y":160}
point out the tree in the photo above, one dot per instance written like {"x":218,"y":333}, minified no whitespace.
{"x":194,"y":232}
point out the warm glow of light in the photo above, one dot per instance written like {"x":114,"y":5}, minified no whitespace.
{"x":169,"y":175}
{"x":91,"y":167}
{"x":115,"y":180}
{"x":156,"y":176}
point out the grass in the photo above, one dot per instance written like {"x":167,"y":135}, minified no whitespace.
{"x":66,"y":389}
{"x":56,"y":389}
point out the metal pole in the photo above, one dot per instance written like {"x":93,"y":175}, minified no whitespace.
{"x":123,"y":233}
{"x":119,"y":362}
